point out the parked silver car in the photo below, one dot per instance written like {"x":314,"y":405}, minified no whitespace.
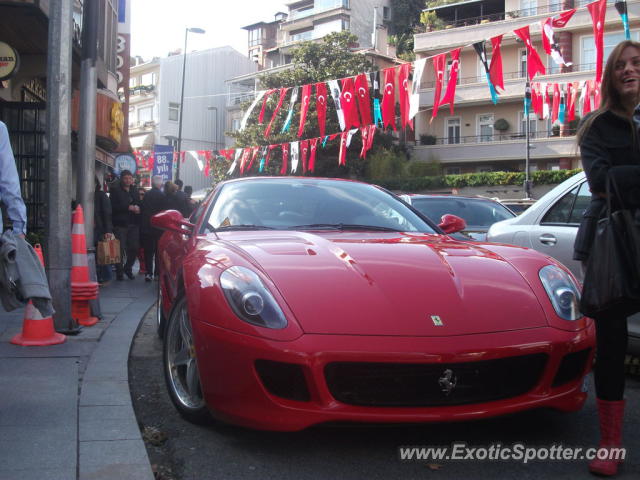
{"x":550,"y":226}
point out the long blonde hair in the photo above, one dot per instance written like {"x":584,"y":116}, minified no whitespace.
{"x":610,"y":98}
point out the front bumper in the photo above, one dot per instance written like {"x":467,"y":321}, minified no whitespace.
{"x":235,"y":392}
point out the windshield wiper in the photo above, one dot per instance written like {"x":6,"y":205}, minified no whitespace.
{"x":341,"y":226}
{"x":243,"y":227}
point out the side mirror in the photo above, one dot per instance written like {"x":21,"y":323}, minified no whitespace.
{"x":452,"y":223}
{"x":172,"y":220}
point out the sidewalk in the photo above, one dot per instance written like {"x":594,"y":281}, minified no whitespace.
{"x":65,"y":410}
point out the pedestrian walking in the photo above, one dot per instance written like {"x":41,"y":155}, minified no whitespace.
{"x":143,"y":269}
{"x":608,"y":140}
{"x":154,"y":202}
{"x":180,"y":199}
{"x":191,"y":204}
{"x":125,"y":206}
{"x":102,"y":227}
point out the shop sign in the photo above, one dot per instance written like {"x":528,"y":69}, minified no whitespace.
{"x":126,"y":161}
{"x":9,"y":61}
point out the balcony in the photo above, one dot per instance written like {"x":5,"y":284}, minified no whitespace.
{"x":474,"y":89}
{"x":498,"y":147}
{"x":468,"y":30}
{"x":234,"y":100}
{"x":142,"y":90}
{"x":305,"y":18}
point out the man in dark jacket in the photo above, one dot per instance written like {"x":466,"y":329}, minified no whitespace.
{"x":154,"y":202}
{"x":125,"y":206}
{"x":181,"y":201}
{"x":102,"y":227}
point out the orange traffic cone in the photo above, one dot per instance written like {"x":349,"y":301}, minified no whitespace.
{"x":82,"y":289}
{"x":37,"y":330}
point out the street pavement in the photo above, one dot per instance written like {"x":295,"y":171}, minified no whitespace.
{"x":65,"y":410}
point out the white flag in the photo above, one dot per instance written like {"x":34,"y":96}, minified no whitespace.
{"x":414,"y":101}
{"x":243,"y":123}
{"x":334,"y":88}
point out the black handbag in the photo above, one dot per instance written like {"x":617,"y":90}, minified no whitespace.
{"x":612,"y":275}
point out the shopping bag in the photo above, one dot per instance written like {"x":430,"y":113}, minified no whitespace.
{"x":612,"y":275}
{"x":108,"y":251}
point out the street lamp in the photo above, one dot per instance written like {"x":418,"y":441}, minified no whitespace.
{"x":184,"y":69}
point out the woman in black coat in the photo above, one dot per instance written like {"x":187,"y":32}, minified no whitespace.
{"x":608,"y":140}
{"x":103,"y":227}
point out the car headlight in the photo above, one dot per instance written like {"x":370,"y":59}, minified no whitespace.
{"x":249,"y":298}
{"x":562,"y":291}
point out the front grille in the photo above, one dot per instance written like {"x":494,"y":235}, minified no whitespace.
{"x":284,"y":380}
{"x":571,"y":367}
{"x":433,"y":384}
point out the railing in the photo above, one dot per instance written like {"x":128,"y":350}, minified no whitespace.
{"x":141,"y":89}
{"x":584,"y":67}
{"x":323,"y":6}
{"x":493,"y":17}
{"x":236,"y":99}
{"x":499,"y":137}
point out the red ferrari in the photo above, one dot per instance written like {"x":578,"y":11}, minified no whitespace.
{"x":288,"y":302}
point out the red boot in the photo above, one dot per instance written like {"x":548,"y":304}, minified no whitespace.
{"x":610,"y":415}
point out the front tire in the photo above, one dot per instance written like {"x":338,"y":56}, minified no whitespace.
{"x":181,"y":367}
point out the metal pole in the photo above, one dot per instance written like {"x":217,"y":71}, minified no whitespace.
{"x":87,"y":126}
{"x":58,"y":222}
{"x":184,"y":69}
{"x":527,"y":100}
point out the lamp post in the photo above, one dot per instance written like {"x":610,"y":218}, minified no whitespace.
{"x":184,"y":69}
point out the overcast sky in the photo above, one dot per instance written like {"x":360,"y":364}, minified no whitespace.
{"x":157,"y":26}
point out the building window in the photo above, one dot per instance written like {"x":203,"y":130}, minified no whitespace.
{"x":452,"y":171}
{"x":107,"y":33}
{"x":235,"y":124}
{"x":484,"y":169}
{"x":132,"y":114}
{"x":148,"y":79}
{"x":255,"y":37}
{"x":145,"y":114}
{"x":528,"y":7}
{"x":523,"y":63}
{"x":485,"y":127}
{"x":174,"y":112}
{"x":533,"y":124}
{"x":133,"y":81}
{"x":588,"y":48}
{"x":449,"y":63}
{"x":452,"y":132}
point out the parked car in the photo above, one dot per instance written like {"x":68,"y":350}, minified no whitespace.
{"x":479,"y":213}
{"x":517,"y":205}
{"x":550,"y":226}
{"x":290,"y":302}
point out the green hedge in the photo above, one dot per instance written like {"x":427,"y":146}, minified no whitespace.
{"x":540,"y":177}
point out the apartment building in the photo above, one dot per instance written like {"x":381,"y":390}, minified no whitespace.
{"x":468,"y":141}
{"x":144,"y":79}
{"x":270,"y":43}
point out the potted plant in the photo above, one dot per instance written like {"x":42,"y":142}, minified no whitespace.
{"x":501,"y":125}
{"x":428,"y":139}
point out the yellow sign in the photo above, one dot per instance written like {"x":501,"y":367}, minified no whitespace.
{"x":117,"y":122}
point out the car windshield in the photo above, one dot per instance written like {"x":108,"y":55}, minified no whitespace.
{"x":476,"y":212}
{"x":310,"y":204}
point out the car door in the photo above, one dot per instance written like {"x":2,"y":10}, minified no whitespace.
{"x":555,"y":232}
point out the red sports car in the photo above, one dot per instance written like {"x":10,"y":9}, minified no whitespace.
{"x":288,"y":302}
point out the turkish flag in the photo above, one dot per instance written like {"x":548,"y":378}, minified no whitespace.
{"x":556,"y":103}
{"x":285,"y":158}
{"x":283,"y":94}
{"x":450,"y":93}
{"x":321,"y":105}
{"x":304,"y":154}
{"x":364,"y":101}
{"x":596,"y":94}
{"x":313,"y":146}
{"x":254,"y":156}
{"x":572,"y":92}
{"x":560,"y":20}
{"x":534,"y":64}
{"x":342,"y":158}
{"x":246,"y":155}
{"x":348,"y":103}
{"x":495,"y":67}
{"x":389,"y":98}
{"x":304,"y":107}
{"x":264,"y":105}
{"x":598,"y":11}
{"x":268,"y":155}
{"x":438,"y":68}
{"x":403,"y":89}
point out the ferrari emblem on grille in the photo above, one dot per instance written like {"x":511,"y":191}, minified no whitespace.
{"x":436,"y":321}
{"x":447,"y":381}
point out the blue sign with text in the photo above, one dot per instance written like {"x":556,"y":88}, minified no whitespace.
{"x":163,"y":161}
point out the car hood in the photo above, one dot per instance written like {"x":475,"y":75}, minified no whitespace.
{"x":392,"y":284}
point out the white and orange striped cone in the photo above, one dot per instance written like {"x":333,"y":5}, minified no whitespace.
{"x":82,"y":289}
{"x":37,"y":330}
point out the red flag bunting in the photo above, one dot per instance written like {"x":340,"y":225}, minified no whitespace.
{"x":304,"y":107}
{"x":313,"y":146}
{"x":342,"y":158}
{"x":438,"y":67}
{"x":560,"y":20}
{"x":495,"y":67}
{"x":534,"y":64}
{"x":285,"y":158}
{"x":264,"y":105}
{"x":348,"y":103}
{"x":598,"y":11}
{"x":403,"y":90}
{"x":450,"y":93}
{"x":321,"y":105}
{"x":364,"y":101}
{"x":556,"y":103}
{"x":389,"y":98}
{"x":283,"y":93}
{"x":304,"y":154}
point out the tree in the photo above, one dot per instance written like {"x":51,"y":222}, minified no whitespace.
{"x":405,"y":22}
{"x":312,"y":63}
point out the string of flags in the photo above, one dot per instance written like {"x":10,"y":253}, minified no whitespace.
{"x":367,"y":101}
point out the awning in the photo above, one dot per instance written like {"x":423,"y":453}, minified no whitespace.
{"x":142,"y":142}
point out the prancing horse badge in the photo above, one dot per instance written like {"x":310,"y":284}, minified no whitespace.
{"x":436,"y":321}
